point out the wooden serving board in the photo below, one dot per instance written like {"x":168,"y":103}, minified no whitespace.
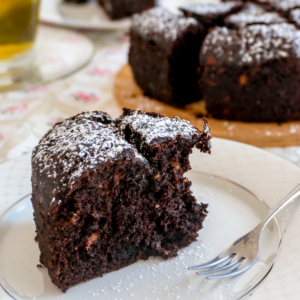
{"x":129,"y":94}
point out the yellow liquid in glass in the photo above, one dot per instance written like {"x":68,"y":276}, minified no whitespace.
{"x":18,"y":24}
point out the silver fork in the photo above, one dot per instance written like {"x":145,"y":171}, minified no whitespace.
{"x":241,"y":255}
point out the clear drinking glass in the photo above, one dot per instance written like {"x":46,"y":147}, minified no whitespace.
{"x":18,"y":26}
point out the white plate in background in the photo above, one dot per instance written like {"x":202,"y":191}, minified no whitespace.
{"x":90,"y":15}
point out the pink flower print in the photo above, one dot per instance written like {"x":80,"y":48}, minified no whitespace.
{"x":124,"y":38}
{"x":101,"y":72}
{"x":70,"y":39}
{"x":56,"y":61}
{"x":117,"y":51}
{"x":15,"y":108}
{"x":38,"y":89}
{"x":1,"y":137}
{"x":52,"y":123}
{"x":86,"y":97}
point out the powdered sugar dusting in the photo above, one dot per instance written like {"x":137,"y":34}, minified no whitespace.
{"x":87,"y":141}
{"x":285,"y":5}
{"x":295,"y":16}
{"x":152,"y":128}
{"x":77,"y":145}
{"x":204,"y":9}
{"x":252,"y":45}
{"x":159,"y":23}
{"x":253,"y":14}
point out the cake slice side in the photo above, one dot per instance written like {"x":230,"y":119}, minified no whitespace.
{"x":163,"y":55}
{"x":97,"y":228}
{"x":167,"y":143}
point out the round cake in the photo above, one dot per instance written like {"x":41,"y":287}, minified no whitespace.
{"x":247,"y":68}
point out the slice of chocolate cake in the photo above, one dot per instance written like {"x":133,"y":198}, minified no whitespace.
{"x":164,"y":55}
{"x":107,"y":193}
{"x":211,"y":14}
{"x":117,"y":9}
{"x":253,"y":14}
{"x":253,"y":74}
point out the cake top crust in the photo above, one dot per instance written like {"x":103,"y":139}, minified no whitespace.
{"x":253,"y":14}
{"x":208,"y":12}
{"x":218,"y":8}
{"x":252,"y":45}
{"x":159,"y":24}
{"x":155,"y":128}
{"x":77,"y":145}
{"x":295,"y":16}
{"x":92,"y":140}
{"x":284,"y":5}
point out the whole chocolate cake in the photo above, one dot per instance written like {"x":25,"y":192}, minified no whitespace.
{"x":254,"y":73}
{"x":164,"y":55}
{"x":249,"y":61}
{"x":107,"y":193}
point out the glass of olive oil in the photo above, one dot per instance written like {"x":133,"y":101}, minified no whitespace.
{"x":18,"y":26}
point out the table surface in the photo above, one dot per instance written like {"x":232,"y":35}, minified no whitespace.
{"x":25,"y":116}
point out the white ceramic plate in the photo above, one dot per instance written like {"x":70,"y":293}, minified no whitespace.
{"x":90,"y":15}
{"x":238,"y":181}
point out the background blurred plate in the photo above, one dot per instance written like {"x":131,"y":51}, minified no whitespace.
{"x":237,"y":181}
{"x":90,"y":15}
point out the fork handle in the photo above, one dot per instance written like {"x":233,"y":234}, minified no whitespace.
{"x":289,"y":198}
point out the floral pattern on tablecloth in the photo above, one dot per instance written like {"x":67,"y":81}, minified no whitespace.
{"x":25,"y":116}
